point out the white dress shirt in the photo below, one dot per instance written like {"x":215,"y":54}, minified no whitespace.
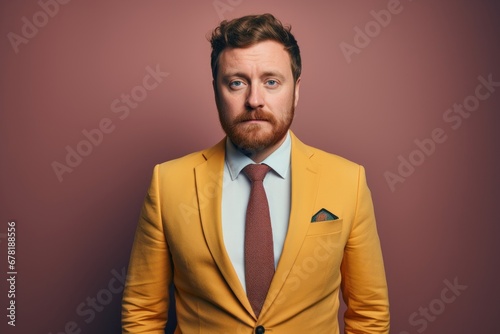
{"x":235,"y":194}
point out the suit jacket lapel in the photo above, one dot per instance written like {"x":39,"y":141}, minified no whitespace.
{"x":304,"y":190}
{"x":209,"y":182}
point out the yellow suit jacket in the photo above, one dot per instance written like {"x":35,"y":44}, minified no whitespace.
{"x":179,"y":238}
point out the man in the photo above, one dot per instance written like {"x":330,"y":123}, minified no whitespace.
{"x":256,"y":254}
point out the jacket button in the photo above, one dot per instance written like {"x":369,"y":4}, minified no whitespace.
{"x":260,"y":330}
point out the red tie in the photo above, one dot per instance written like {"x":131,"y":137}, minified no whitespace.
{"x":259,"y":254}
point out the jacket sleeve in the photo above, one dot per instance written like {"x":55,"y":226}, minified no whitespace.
{"x":145,"y":298}
{"x":364,"y":286}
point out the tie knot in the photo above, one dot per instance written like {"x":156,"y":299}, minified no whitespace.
{"x":256,"y":172}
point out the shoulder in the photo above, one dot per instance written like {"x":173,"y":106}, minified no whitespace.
{"x":335,"y":167}
{"x":323,"y":158}
{"x":187,"y":163}
{"x":332,"y":169}
{"x":326,"y":158}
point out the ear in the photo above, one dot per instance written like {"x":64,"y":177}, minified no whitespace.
{"x":297,"y":88}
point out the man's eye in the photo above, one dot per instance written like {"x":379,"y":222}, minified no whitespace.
{"x":236,"y":84}
{"x":272,"y":82}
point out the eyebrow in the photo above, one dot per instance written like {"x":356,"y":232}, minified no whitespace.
{"x":273,"y":74}
{"x":243,"y":75}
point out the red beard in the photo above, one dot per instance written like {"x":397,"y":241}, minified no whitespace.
{"x":253,"y":138}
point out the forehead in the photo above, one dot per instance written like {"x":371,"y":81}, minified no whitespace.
{"x":264,"y":56}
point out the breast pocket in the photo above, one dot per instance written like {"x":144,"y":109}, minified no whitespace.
{"x":325,"y":227}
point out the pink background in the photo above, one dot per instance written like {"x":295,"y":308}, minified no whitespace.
{"x":439,"y":224}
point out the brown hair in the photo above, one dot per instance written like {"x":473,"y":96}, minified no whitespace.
{"x":249,"y":30}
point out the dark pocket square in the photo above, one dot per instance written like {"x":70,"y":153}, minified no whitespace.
{"x":323,"y":215}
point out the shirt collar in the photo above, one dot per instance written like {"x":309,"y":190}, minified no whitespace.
{"x":279,"y":160}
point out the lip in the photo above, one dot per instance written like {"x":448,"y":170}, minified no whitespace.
{"x":254,"y":121}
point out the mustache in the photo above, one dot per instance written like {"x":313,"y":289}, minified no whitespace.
{"x":257,"y":114}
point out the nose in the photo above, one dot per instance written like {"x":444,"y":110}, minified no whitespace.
{"x":255,"y":99}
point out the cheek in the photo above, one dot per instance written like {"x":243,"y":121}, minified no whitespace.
{"x":283,"y":104}
{"x":231,"y":103}
{"x":228,"y":109}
